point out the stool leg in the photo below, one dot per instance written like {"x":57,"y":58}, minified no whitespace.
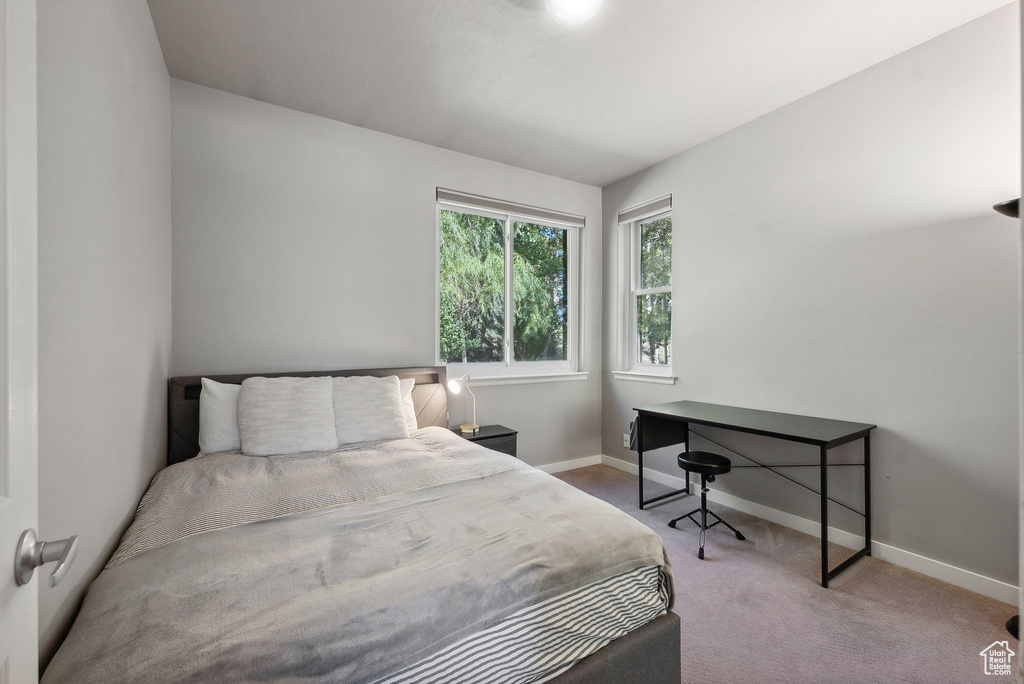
{"x":703,"y":514}
{"x":673,"y":521}
{"x":739,"y":535}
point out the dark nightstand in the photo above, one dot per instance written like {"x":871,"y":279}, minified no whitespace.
{"x":496,"y":437}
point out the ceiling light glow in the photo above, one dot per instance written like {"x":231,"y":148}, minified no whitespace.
{"x":573,"y":11}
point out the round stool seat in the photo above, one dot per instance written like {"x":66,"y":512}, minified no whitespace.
{"x":704,"y":463}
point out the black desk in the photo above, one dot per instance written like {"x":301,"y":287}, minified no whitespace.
{"x":665,"y":425}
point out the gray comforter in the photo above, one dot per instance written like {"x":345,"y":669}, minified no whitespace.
{"x":344,"y":566}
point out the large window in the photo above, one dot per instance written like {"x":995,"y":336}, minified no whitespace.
{"x":506,"y":291}
{"x":650,"y":292}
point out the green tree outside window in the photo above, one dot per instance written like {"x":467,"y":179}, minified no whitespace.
{"x":653,"y":293}
{"x":472,"y":305}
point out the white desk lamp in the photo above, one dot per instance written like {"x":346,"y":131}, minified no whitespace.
{"x":456,"y":385}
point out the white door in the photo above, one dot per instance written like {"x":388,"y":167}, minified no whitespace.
{"x":19,"y":605}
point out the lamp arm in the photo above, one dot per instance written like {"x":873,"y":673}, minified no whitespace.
{"x":474,"y":402}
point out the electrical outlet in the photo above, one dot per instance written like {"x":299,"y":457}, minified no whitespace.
{"x":625,"y":439}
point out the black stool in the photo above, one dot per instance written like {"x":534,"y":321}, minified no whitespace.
{"x":708,"y":465}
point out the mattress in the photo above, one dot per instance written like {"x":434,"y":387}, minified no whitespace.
{"x":429,"y":559}
{"x":544,"y":640}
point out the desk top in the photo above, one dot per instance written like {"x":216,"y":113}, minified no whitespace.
{"x":806,"y":429}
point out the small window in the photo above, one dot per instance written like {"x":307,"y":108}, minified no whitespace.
{"x":650,"y":292}
{"x":507,"y":298}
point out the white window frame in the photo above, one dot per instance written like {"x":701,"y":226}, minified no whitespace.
{"x":631,"y":363}
{"x":511,"y":367}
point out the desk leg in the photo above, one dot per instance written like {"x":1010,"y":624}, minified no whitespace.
{"x":658,"y":434}
{"x":826,"y":575}
{"x":867,"y":494}
{"x":686,"y":447}
{"x":640,"y":457}
{"x":824,"y":516}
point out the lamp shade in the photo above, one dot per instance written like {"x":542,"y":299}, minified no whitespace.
{"x":455,"y":385}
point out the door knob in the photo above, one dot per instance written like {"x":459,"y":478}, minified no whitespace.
{"x":32,"y":553}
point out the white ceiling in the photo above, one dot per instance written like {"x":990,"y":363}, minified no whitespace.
{"x":500,"y":79}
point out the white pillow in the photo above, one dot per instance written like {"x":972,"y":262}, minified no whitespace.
{"x":368,"y":409}
{"x":218,"y":417}
{"x":286,"y":416}
{"x":408,"y":406}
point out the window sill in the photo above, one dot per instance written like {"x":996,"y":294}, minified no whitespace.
{"x":634,"y":376}
{"x":524,"y":379}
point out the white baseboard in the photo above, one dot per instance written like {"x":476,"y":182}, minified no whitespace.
{"x":986,"y":586}
{"x":573,"y":464}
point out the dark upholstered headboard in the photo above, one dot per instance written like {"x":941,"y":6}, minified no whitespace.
{"x":428,"y":396}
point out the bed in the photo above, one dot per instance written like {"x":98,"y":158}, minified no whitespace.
{"x":427,"y":559}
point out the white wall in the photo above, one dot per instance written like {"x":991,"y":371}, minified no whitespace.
{"x":302,"y":243}
{"x":839,"y":257}
{"x":104,"y":281}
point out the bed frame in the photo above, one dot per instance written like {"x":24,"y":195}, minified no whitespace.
{"x":649,"y":654}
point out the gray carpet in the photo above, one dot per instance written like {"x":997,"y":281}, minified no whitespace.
{"x":753,"y":611}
